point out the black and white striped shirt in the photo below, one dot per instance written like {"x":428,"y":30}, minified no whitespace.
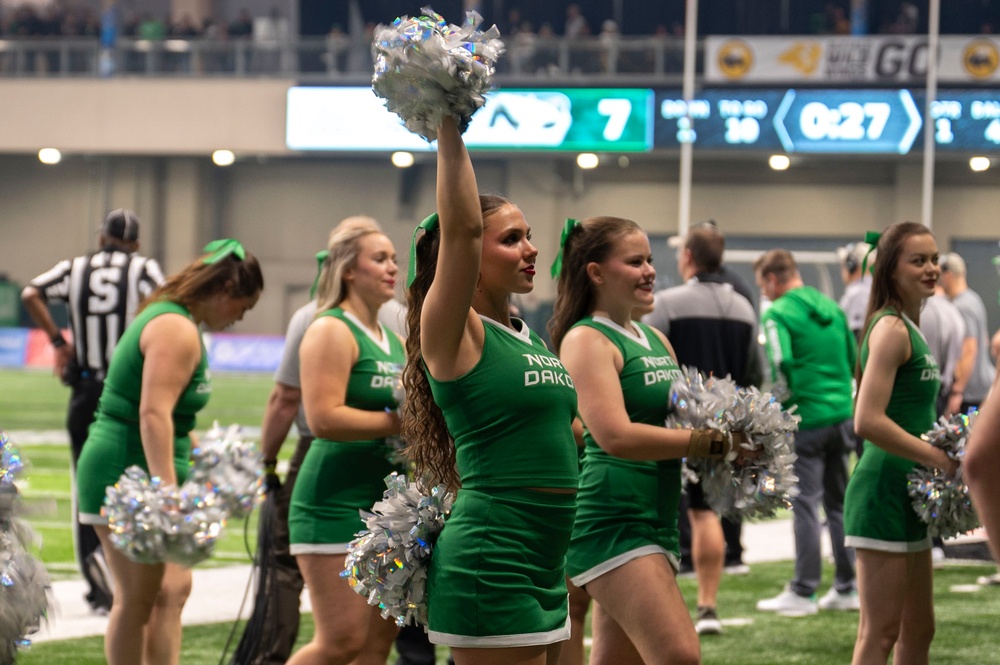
{"x":102,"y":291}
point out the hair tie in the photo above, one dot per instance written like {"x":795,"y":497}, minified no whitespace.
{"x":429,"y":224}
{"x":567,"y":231}
{"x":871,"y":238}
{"x":220,"y":249}
{"x":321,"y":258}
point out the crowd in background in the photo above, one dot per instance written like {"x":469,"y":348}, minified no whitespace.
{"x":558,"y":19}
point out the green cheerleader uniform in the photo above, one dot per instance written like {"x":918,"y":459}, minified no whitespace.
{"x":627,"y":509}
{"x":878,"y":512}
{"x":113,"y":441}
{"x":497,"y":572}
{"x":339,"y":478}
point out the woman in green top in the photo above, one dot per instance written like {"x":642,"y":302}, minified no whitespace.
{"x":625,"y":545}
{"x":898,"y":382}
{"x":350,"y":364}
{"x":157,"y":381}
{"x":491,"y":409}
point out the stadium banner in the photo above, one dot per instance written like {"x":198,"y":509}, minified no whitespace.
{"x":30,"y":347}
{"x":39,"y":351}
{"x":13,"y":343}
{"x":244,"y":353}
{"x":873,"y":60}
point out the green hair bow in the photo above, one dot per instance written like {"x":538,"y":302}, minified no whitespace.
{"x":220,"y":249}
{"x":429,"y":224}
{"x":321,"y":258}
{"x":871,"y":239}
{"x":567,"y":231}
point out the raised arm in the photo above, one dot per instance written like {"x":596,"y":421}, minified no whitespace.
{"x":447,"y":343}
{"x":171,"y":348}
{"x":888,"y":349}
{"x":327,"y":354}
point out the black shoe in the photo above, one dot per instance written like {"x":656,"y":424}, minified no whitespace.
{"x":102,"y":585}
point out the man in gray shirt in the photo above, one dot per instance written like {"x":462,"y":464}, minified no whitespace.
{"x":944,"y":329}
{"x":857,"y":283}
{"x":974,"y":372}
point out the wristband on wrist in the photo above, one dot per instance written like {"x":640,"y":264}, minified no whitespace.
{"x":58,"y":341}
{"x":270,"y":466}
{"x":709,"y":443}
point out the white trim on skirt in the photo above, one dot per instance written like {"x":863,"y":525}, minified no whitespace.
{"x":617,"y":562}
{"x":500,"y":641}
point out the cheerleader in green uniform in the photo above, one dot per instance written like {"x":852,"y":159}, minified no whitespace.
{"x":898,"y":383}
{"x":624,"y":548}
{"x":489,"y":409}
{"x":350,"y":364}
{"x":156,"y":384}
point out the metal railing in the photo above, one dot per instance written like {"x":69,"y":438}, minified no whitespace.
{"x":318,"y":59}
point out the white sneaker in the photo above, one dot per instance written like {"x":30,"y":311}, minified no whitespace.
{"x":937,"y":558}
{"x":835,"y":600}
{"x":789,"y":604}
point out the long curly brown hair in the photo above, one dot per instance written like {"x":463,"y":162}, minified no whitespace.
{"x":591,"y":241}
{"x":429,"y":443}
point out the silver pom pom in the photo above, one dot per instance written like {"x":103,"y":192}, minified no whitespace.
{"x":427,"y":69}
{"x":24,"y":582}
{"x":942,"y":501}
{"x":387,"y":563}
{"x":229,"y":467}
{"x":151,"y":522}
{"x":764,"y":484}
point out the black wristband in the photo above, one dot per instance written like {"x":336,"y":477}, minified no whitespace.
{"x":58,"y":341}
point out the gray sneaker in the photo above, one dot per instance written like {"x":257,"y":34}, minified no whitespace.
{"x":707,"y":622}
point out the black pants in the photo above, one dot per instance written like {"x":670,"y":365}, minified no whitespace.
{"x":281,"y":611}
{"x":732,"y":529}
{"x":82,"y":410}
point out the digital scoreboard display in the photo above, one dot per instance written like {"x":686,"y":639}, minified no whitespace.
{"x":856,"y":121}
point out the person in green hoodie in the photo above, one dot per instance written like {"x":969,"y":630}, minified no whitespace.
{"x":811,"y":353}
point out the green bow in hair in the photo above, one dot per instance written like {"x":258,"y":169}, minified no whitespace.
{"x":566,"y":232}
{"x":220,"y":249}
{"x":321,"y":258}
{"x":429,"y":224}
{"x":871,"y":239}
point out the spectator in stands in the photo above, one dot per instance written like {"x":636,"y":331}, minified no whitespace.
{"x":576,"y":23}
{"x":609,"y":37}
{"x":151,"y":28}
{"x":241,"y":26}
{"x":184,"y":28}
{"x":974,"y":373}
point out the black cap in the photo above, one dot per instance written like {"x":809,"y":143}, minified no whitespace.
{"x":122,"y":224}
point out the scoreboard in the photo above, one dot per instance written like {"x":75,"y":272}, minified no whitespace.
{"x":857,"y":121}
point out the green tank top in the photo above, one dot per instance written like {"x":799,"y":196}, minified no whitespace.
{"x":511,"y":415}
{"x":917,"y":383}
{"x":375,"y":373}
{"x":648,"y":371}
{"x":123,"y":383}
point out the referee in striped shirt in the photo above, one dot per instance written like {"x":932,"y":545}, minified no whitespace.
{"x":102,"y":291}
